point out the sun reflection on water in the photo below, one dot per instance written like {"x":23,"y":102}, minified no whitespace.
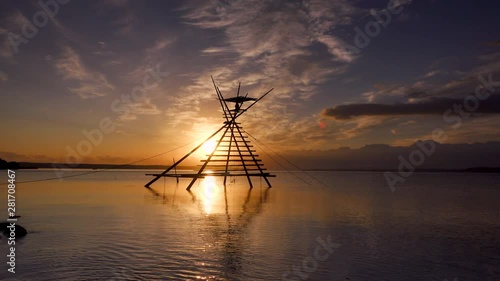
{"x":210,"y":191}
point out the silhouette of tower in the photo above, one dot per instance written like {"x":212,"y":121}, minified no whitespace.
{"x":233,"y":155}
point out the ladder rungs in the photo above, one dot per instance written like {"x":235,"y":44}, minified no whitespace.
{"x":232,"y":155}
{"x":267,"y":175}
{"x":230,"y":160}
{"x":236,"y":136}
{"x":234,"y":165}
{"x":261,"y":169}
{"x":235,"y":145}
{"x":235,"y":170}
{"x":235,"y":150}
{"x":177,"y":175}
{"x":219,"y":173}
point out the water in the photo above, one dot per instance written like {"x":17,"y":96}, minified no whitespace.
{"x":107,"y":226}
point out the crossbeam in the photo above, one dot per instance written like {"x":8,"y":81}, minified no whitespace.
{"x":231,"y":141}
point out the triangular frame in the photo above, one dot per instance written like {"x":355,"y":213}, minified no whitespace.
{"x":236,"y":142}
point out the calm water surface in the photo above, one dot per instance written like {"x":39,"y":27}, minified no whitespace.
{"x":107,"y":226}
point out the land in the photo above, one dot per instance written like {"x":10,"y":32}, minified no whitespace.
{"x":32,"y":165}
{"x":4,"y":165}
{"x":434,"y":157}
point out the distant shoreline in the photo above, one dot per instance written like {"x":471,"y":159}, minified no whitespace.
{"x":468,"y":170}
{"x":33,"y":166}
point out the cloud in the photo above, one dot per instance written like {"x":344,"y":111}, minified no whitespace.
{"x":256,"y":28}
{"x":431,"y":106}
{"x":89,"y":84}
{"x":410,"y":122}
{"x":475,"y":129}
{"x":393,"y":107}
{"x":103,"y":49}
{"x":126,"y":20}
{"x":117,"y":3}
{"x":495,"y":43}
{"x":6,"y":50}
{"x":436,"y":83}
{"x":3,"y":76}
{"x":275,"y":38}
{"x":11,"y":26}
{"x":433,"y":73}
{"x":154,"y":56}
{"x":160,"y":44}
{"x":360,"y":126}
{"x":337,"y":48}
{"x":15,"y":25}
{"x":291,"y":46}
{"x":216,"y":50}
{"x":391,"y":93}
{"x":12,"y":156}
{"x":144,"y":107}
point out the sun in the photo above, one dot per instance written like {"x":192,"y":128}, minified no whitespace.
{"x":209,"y":146}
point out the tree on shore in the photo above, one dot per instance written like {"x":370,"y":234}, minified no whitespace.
{"x":8,"y":165}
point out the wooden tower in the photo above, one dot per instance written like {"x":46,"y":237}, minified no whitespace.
{"x":233,"y":154}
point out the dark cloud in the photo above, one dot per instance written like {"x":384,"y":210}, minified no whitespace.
{"x":427,"y":107}
{"x":496,"y":43}
{"x":417,"y":95}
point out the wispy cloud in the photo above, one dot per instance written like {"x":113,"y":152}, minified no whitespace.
{"x":422,"y":97}
{"x":160,"y":44}
{"x":495,"y":43}
{"x":337,"y":48}
{"x":152,"y":56}
{"x":433,"y":73}
{"x":11,"y":27}
{"x":117,"y":3}
{"x":437,"y":83}
{"x":126,"y":20}
{"x":6,"y":50}
{"x":3,"y":76}
{"x":425,"y":98}
{"x":434,"y":106}
{"x":144,"y":107}
{"x":269,"y":44}
{"x":90,"y":84}
{"x":275,"y":41}
{"x":360,"y":126}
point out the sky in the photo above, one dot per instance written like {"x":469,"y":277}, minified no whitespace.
{"x":132,"y":78}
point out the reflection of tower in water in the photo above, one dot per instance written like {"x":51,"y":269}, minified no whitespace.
{"x":228,"y":230}
{"x":226,"y":216}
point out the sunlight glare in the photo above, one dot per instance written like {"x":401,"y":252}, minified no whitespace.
{"x":209,"y":146}
{"x":209,"y":194}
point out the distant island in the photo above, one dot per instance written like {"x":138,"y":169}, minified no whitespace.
{"x":32,"y":165}
{"x":43,"y":165}
{"x":468,"y":170}
{"x":437,"y":157}
{"x":4,"y":165}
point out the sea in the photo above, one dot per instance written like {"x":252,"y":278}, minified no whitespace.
{"x":316,"y":225}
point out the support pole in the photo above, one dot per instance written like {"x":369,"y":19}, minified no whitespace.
{"x":228,"y":154}
{"x":208,"y":159}
{"x":253,"y":158}
{"x":230,"y":126}
{"x":182,"y":159}
{"x":175,"y":171}
{"x":241,"y":157}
